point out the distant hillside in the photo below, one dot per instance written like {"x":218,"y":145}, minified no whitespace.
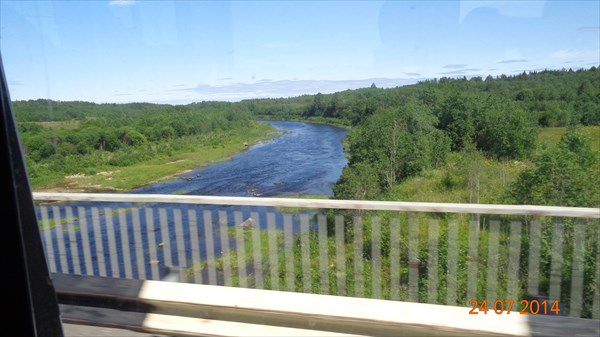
{"x":551,"y":97}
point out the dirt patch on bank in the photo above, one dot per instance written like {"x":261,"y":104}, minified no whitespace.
{"x":74,"y":187}
{"x":176,"y":161}
{"x":169,"y":176}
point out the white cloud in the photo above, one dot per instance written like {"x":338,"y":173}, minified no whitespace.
{"x":513,"y":61}
{"x":122,"y":2}
{"x":454,"y":66}
{"x":564,"y":55}
{"x":284,"y":88}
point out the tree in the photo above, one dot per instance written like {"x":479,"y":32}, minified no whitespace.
{"x":564,"y":175}
{"x":358,"y":182}
{"x":503,"y":131}
{"x":398,"y":143}
{"x":38,"y":147}
{"x":318,"y":106}
{"x":457,"y":120}
{"x":129,"y":136}
{"x":167,"y":132}
{"x":472,"y":163}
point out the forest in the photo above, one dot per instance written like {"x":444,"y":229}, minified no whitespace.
{"x":461,"y":133}
{"x":63,"y":139}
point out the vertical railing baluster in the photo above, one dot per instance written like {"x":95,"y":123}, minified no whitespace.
{"x":596,"y":304}
{"x":60,"y":239}
{"x":577,"y":271}
{"x":376,"y":256}
{"x":493,"y":259}
{"x":557,"y":262}
{"x":123,"y":230}
{"x":241,"y":250}
{"x":152,"y":247}
{"x":305,"y":253}
{"x":432,"y":264}
{"x":288,"y":252}
{"x":533,"y":272}
{"x":472,"y":261}
{"x":85,"y":241}
{"x":98,"y":243}
{"x":359,"y":278}
{"x":210,"y":247}
{"x":112,"y":247}
{"x":225,"y":250}
{"x":514,"y":261}
{"x":257,"y":252}
{"x":395,"y":259}
{"x":413,"y":258}
{"x":273,"y":258}
{"x":452,"y":262}
{"x":165,"y":237}
{"x":180,"y":242}
{"x":74,"y":247}
{"x":47,"y":232}
{"x":340,"y":255}
{"x":323,"y":254}
{"x":194,"y":239}
{"x":137,"y":243}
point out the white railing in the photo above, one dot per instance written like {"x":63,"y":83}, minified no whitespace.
{"x":384,"y":250}
{"x":576,"y":212}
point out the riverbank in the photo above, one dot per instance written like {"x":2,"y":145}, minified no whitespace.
{"x":196,"y":154}
{"x":314,"y":120}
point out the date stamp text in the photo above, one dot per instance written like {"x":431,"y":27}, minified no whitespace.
{"x":528,"y":307}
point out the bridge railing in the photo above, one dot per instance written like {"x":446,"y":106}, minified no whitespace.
{"x":453,"y":254}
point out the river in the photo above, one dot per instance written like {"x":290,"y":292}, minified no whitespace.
{"x":306,"y":159}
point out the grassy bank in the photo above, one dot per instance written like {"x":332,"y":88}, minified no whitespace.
{"x":184,"y":154}
{"x":472,"y":179}
{"x":313,"y":119}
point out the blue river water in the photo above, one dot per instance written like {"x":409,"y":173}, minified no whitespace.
{"x":306,"y":159}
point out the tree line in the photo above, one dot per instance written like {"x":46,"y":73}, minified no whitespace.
{"x":110,"y":127}
{"x":549,"y":97}
{"x":62,"y":138}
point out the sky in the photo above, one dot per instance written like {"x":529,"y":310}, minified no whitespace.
{"x":179,"y":52}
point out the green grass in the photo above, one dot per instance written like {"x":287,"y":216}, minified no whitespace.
{"x":451,"y":182}
{"x":54,"y":125}
{"x":551,"y":136}
{"x":51,"y":223}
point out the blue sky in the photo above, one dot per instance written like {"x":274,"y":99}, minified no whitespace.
{"x":189,"y":51}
